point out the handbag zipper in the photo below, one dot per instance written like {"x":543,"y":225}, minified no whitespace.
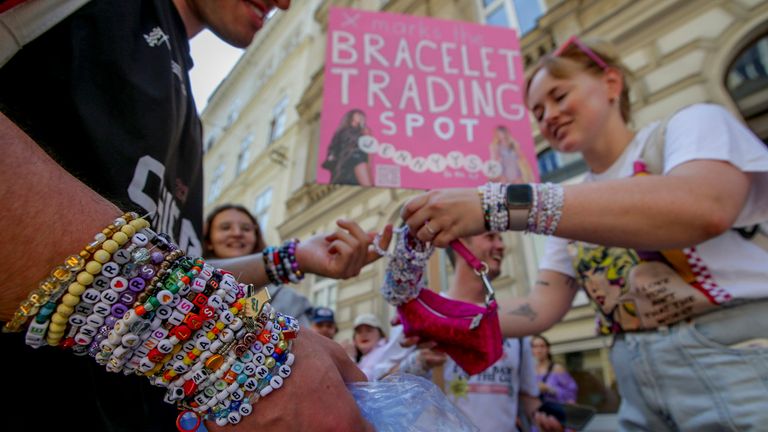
{"x":472,"y":325}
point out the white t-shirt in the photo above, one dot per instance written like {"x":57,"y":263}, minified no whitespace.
{"x":490,"y":398}
{"x":724,"y":268}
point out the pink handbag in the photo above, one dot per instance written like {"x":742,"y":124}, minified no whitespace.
{"x":468,"y":333}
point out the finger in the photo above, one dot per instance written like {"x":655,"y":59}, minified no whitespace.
{"x":427,"y":344}
{"x":386,"y":238}
{"x":409,"y":341}
{"x":416,"y":221}
{"x":395,"y":321}
{"x":413,"y":205}
{"x":344,"y":237}
{"x":424,"y":234}
{"x":354,"y":229}
{"x":443,"y":239}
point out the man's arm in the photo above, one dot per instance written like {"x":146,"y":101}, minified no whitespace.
{"x":47,"y":215}
{"x":549,"y":300}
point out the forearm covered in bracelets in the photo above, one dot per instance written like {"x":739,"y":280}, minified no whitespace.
{"x":133,"y":301}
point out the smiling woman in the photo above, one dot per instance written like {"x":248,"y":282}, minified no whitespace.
{"x":231,"y":231}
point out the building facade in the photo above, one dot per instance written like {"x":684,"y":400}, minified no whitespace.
{"x":262,"y":128}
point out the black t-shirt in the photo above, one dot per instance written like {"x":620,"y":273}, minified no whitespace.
{"x":106,"y":93}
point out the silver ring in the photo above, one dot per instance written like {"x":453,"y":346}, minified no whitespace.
{"x":431,"y":231}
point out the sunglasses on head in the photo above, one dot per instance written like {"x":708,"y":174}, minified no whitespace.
{"x":573,"y":40}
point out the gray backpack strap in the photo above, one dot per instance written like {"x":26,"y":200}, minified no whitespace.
{"x":23,"y":23}
{"x":653,"y":150}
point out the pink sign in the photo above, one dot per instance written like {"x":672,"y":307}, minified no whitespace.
{"x":422,"y":103}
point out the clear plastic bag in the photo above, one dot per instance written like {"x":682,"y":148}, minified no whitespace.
{"x":403,"y":402}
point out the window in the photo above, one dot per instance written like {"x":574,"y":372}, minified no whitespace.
{"x":243,"y":156}
{"x":747,"y":82}
{"x":277,"y":126}
{"x":261,"y":208}
{"x":211,"y":140}
{"x":556,"y":167}
{"x":324,"y":292}
{"x":216,"y":184}
{"x":518,"y":14}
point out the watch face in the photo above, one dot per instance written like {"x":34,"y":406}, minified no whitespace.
{"x":519,"y":196}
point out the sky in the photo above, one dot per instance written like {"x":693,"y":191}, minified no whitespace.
{"x":213,"y":60}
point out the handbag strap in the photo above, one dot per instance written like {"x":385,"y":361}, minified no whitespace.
{"x":481,"y":268}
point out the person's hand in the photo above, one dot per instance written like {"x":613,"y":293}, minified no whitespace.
{"x":314,"y":397}
{"x":441,"y":216}
{"x":429,"y":357}
{"x":342,"y":254}
{"x":546,"y":423}
{"x":544,"y":388}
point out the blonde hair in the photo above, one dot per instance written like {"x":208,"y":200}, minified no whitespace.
{"x":572,"y":60}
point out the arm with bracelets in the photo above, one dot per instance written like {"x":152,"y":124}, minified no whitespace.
{"x":136,"y":304}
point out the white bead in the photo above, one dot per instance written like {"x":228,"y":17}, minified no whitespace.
{"x":234,"y":417}
{"x":145,"y":365}
{"x":102,"y":309}
{"x":250,"y":384}
{"x":164,"y":346}
{"x":233,"y":387}
{"x":245,"y":409}
{"x":237,"y":325}
{"x":94,"y":320}
{"x":227,"y":335}
{"x":265,"y":391}
{"x":221,"y":421}
{"x":120,"y":352}
{"x":222,"y":395}
{"x":284,"y":371}
{"x":77,"y":319}
{"x":176,"y":318}
{"x":216,"y":345}
{"x":289,"y":360}
{"x":130,"y":340}
{"x":82,"y":339}
{"x":276,"y":382}
{"x":114,"y":338}
{"x":261,"y":372}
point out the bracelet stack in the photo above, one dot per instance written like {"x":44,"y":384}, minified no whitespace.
{"x":280,"y":263}
{"x":543,"y":217}
{"x":546,"y":209}
{"x":494,"y":206}
{"x":136,"y":304}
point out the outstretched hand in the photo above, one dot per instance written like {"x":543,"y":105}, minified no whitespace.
{"x":314,"y":397}
{"x":440,"y":216}
{"x":340,"y":255}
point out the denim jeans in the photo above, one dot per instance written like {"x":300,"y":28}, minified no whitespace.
{"x":691,"y":377}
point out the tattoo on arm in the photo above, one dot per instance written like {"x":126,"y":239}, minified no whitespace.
{"x":524,"y":310}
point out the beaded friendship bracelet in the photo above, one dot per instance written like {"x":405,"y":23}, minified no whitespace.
{"x":135,"y":303}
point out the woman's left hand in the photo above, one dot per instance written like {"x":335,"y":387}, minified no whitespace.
{"x":440,"y":216}
{"x":340,"y":255}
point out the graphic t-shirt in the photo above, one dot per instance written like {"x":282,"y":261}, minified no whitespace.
{"x":490,"y":398}
{"x":635,"y":290}
{"x":106,"y":93}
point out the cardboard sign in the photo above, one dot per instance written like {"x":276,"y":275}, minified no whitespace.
{"x":412,"y":102}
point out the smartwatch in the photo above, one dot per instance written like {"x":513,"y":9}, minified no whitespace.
{"x":519,"y":197}
{"x":519,"y":200}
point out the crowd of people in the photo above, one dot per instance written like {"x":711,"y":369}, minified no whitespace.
{"x":651,"y":235}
